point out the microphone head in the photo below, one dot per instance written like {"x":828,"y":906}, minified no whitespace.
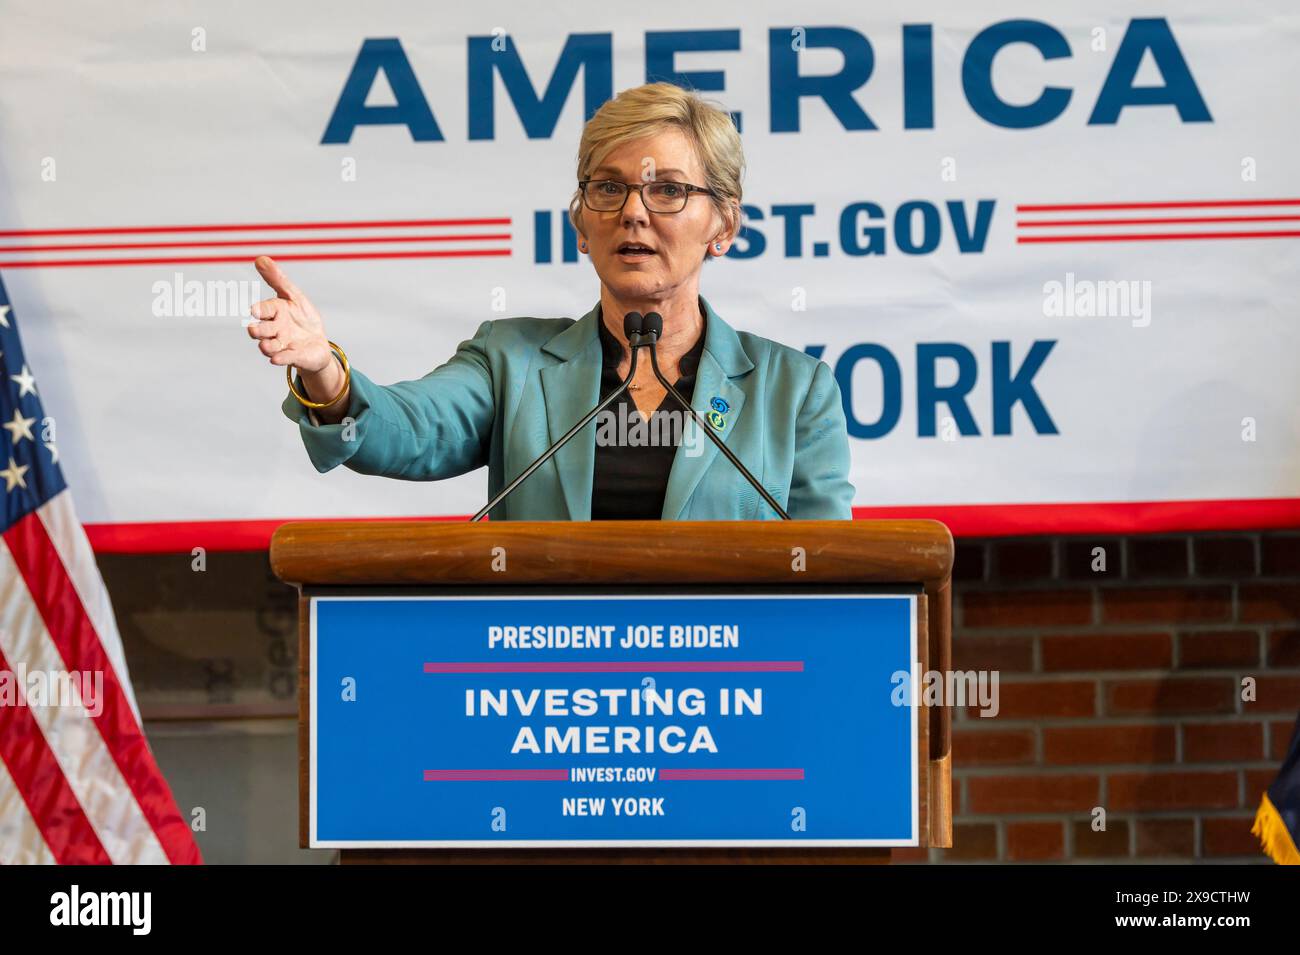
{"x":632,"y":322}
{"x":653,"y":324}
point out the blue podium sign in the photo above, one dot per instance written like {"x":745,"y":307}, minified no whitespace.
{"x":585,"y":720}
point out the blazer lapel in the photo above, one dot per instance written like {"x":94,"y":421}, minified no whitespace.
{"x":570,"y":389}
{"x":723,"y":360}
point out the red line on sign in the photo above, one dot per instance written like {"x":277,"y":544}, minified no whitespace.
{"x":1209,"y":203}
{"x":1049,"y":223}
{"x":100,"y":246}
{"x":306,"y":257}
{"x":257,"y":227}
{"x":964,"y":520}
{"x":699,"y":774}
{"x":621,"y":666}
{"x":1154,"y":237}
{"x":495,"y":775}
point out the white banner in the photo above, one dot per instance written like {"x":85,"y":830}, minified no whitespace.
{"x":1050,"y":250}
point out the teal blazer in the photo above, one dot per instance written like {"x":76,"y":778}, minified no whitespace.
{"x":520,"y":383}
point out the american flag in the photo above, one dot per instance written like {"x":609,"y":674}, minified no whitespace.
{"x":78,"y":782}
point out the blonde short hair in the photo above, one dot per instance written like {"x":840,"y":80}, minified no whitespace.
{"x":650,"y":109}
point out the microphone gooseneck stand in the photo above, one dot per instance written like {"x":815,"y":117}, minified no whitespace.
{"x":654,"y":325}
{"x":641,"y":331}
{"x":632,"y":323}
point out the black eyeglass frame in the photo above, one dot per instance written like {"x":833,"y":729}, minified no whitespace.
{"x":689,"y":190}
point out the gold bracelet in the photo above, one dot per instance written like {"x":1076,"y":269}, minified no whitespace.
{"x":347,"y":380}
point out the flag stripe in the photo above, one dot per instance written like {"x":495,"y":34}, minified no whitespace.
{"x":49,"y":798}
{"x":73,"y":547}
{"x":72,"y":736}
{"x":79,"y":646}
{"x":20,"y":839}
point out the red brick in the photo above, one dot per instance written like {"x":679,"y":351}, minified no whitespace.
{"x":1177,"y":790}
{"x":1157,"y":557}
{"x":1079,"y":559}
{"x":973,"y":840}
{"x":1280,"y":555}
{"x":1224,"y":556}
{"x":1170,"y":838}
{"x":1022,"y":560}
{"x":1107,"y":651}
{"x":1228,"y":836}
{"x":1276,"y":694}
{"x":1258,"y":602}
{"x":1257,"y":780}
{"x":1223,"y":742}
{"x":1171,"y":696}
{"x":993,"y":747}
{"x":1056,"y":698}
{"x":1110,"y":843}
{"x":1279,"y":735}
{"x":993,"y":653}
{"x":1166,"y":604}
{"x":1208,"y":649}
{"x":1109,"y":743}
{"x":898,"y":856}
{"x":1038,"y":793}
{"x":1035,"y":841}
{"x":1026,"y":608}
{"x":1284,"y":648}
{"x":969,"y":562}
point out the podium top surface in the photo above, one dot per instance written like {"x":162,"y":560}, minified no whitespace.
{"x":404,"y":553}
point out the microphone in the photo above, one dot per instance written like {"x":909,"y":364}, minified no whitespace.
{"x":637,"y":335}
{"x":651,"y":330}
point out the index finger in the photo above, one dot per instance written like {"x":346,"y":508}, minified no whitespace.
{"x":275,"y":277}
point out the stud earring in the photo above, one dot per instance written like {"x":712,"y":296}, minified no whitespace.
{"x":718,"y":246}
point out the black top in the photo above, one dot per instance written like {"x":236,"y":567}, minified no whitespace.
{"x":633,"y":456}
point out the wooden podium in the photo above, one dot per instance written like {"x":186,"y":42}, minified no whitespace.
{"x":418,"y":557}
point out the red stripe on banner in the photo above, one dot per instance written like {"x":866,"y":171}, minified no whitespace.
{"x":78,"y":644}
{"x":964,"y":520}
{"x":256,"y":227}
{"x":1172,"y":220}
{"x":225,"y":243}
{"x":701,"y":774}
{"x":173,"y":537}
{"x":621,"y":666}
{"x":496,"y":775}
{"x":305,"y":257}
{"x":1154,"y":237}
{"x":39,"y":778}
{"x":1207,"y":204}
{"x":1138,"y":517}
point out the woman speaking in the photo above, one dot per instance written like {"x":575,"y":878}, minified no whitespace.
{"x":659,"y":191}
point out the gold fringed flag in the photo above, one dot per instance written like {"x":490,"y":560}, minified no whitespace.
{"x":1277,"y":823}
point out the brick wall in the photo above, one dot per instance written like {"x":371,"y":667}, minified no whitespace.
{"x":1121,"y":688}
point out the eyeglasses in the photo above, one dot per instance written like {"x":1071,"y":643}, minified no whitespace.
{"x":609,"y":195}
